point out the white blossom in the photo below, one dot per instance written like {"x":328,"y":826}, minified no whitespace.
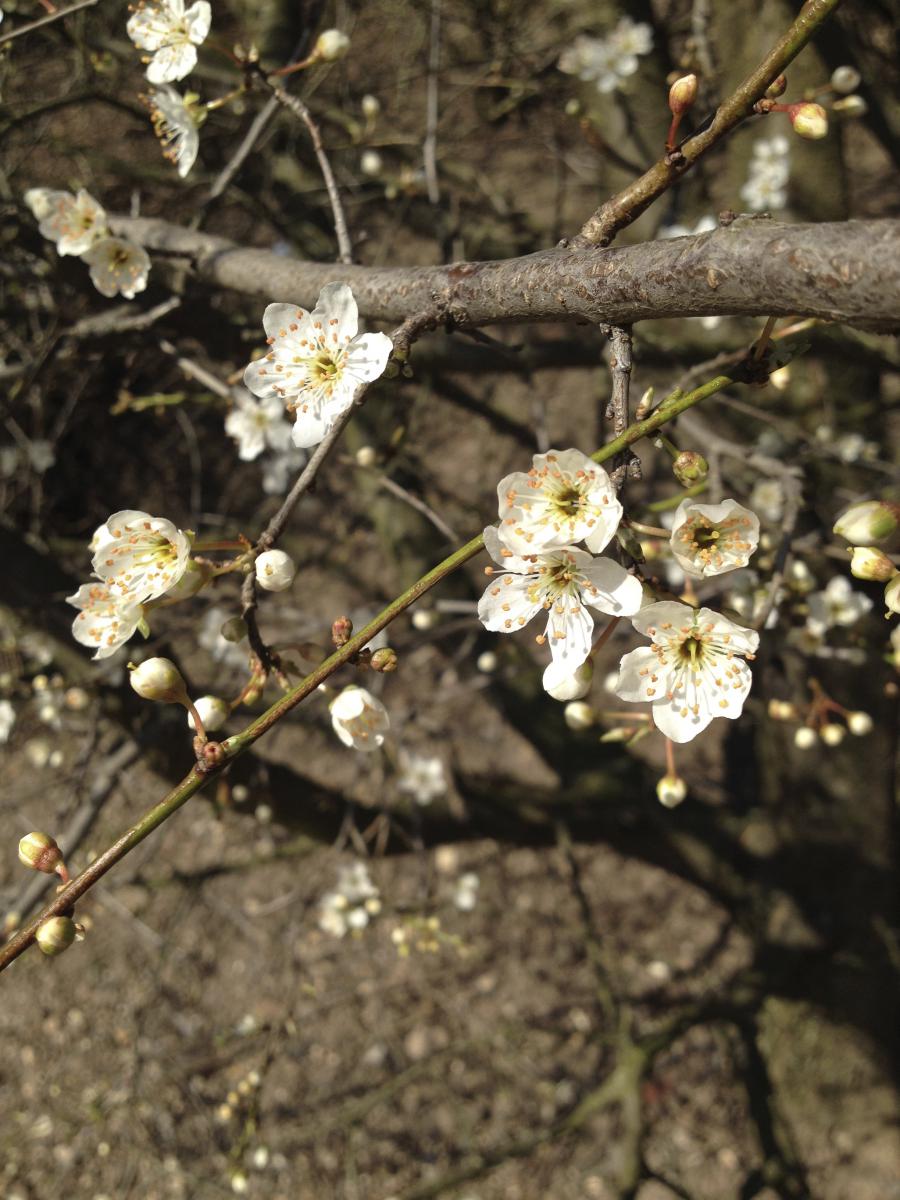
{"x":421,"y":776}
{"x":709,"y":539}
{"x":214,"y":712}
{"x":75,"y":223}
{"x":331,"y":45}
{"x":762,"y":192}
{"x":171,"y":34}
{"x":606,"y":62}
{"x":105,"y":621}
{"x":633,"y":38}
{"x":692,"y":673}
{"x":465,"y":893}
{"x":838,"y":604}
{"x":352,"y":902}
{"x":317,"y":360}
{"x":176,"y":122}
{"x":562,"y":582}
{"x":359,"y":719}
{"x":279,"y":468}
{"x":7,"y":720}
{"x":257,"y":425}
{"x":275,"y":570}
{"x":565,"y":498}
{"x":118,"y":267}
{"x":140,"y":557}
{"x":769,"y":169}
{"x":767,"y":498}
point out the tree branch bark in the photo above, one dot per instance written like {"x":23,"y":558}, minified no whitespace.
{"x":847,"y":272}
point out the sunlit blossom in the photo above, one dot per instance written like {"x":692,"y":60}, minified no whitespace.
{"x":176,"y":122}
{"x":709,"y":539}
{"x":693,"y":672}
{"x":75,"y":223}
{"x":140,"y":557}
{"x":317,"y":360}
{"x":105,"y":621}
{"x":359,"y":719}
{"x":171,"y":34}
{"x":565,"y":498}
{"x":563,"y":583}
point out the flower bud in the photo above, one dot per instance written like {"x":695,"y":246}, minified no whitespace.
{"x":40,"y":852}
{"x":384,"y":660}
{"x":159,"y":679}
{"x":370,"y":163}
{"x":196,"y":576}
{"x":486,"y":662}
{"x":365,"y":455}
{"x":575,"y":686}
{"x":55,"y":934}
{"x":809,"y":120}
{"x":330,"y":45}
{"x":805,"y":738}
{"x":689,"y":468}
{"x":867,"y":562}
{"x":341,"y":631}
{"x":275,"y":570}
{"x":850,"y":106}
{"x":371,"y":106}
{"x":845,"y":79}
{"x":682,"y":94}
{"x":579,"y":715}
{"x":892,"y":595}
{"x":782,"y":710}
{"x":644,"y":404}
{"x":234,"y":629}
{"x":870,"y":522}
{"x":671,"y":790}
{"x":832,"y":734}
{"x":859,"y":723}
{"x":213,"y":710}
{"x":777,"y":87}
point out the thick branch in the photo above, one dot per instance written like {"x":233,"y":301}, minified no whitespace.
{"x":848,"y":272}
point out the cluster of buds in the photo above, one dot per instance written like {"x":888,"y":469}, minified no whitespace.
{"x":872,"y":528}
{"x":40,"y":852}
{"x":160,"y":680}
{"x":824,"y":720}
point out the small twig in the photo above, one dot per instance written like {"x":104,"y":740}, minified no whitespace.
{"x":52,"y":16}
{"x":392,"y":486}
{"x":617,"y":410}
{"x":429,"y":146}
{"x":295,"y":105}
{"x":121,"y":319}
{"x":193,"y":370}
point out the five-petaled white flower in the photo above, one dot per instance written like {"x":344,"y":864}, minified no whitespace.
{"x":692,"y":673}
{"x":562,"y":582}
{"x":565,"y":498}
{"x":73,"y":222}
{"x":118,"y":267}
{"x":172,"y":34}
{"x":176,"y":122}
{"x":106,"y":620}
{"x":709,"y":539}
{"x":140,"y":557}
{"x":421,"y":777}
{"x":838,"y":604}
{"x":359,"y":719}
{"x":257,"y":424}
{"x":317,"y":360}
{"x":605,"y":62}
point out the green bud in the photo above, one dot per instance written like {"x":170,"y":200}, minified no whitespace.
{"x":40,"y":852}
{"x":55,"y":934}
{"x":689,"y":468}
{"x":384,"y":660}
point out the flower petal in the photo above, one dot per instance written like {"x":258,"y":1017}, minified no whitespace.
{"x":611,"y":589}
{"x":508,"y":603}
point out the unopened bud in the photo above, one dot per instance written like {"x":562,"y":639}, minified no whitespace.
{"x":579,"y":715}
{"x":370,"y":163}
{"x":330,"y":45}
{"x":213,"y":710}
{"x":782,"y":710}
{"x":234,"y":629}
{"x":275,"y":570}
{"x":690,"y":467}
{"x":850,"y":106}
{"x":644,"y":405}
{"x":682,"y":94}
{"x":845,"y":79}
{"x":486,"y":662}
{"x":55,"y":934}
{"x":870,"y":522}
{"x":777,"y":87}
{"x":210,"y":755}
{"x":196,"y":576}
{"x":809,"y":120}
{"x":832,"y":734}
{"x":159,"y":679}
{"x":671,"y":790}
{"x":366,"y":455}
{"x":341,"y":631}
{"x":859,"y":723}
{"x":40,"y":852}
{"x":384,"y":660}
{"x":892,"y":595}
{"x":805,"y":738}
{"x":867,"y":562}
{"x":575,"y":686}
{"x":371,"y":106}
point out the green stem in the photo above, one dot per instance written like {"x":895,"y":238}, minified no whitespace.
{"x":234,"y":746}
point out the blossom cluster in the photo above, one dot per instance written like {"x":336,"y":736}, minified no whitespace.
{"x":767,"y":178}
{"x":351,"y":904}
{"x":607,"y":62}
{"x":78,"y":226}
{"x":695,"y":668}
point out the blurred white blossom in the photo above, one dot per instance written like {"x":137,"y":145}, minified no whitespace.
{"x":421,"y":776}
{"x":838,"y":604}
{"x":118,"y":267}
{"x":257,"y":425}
